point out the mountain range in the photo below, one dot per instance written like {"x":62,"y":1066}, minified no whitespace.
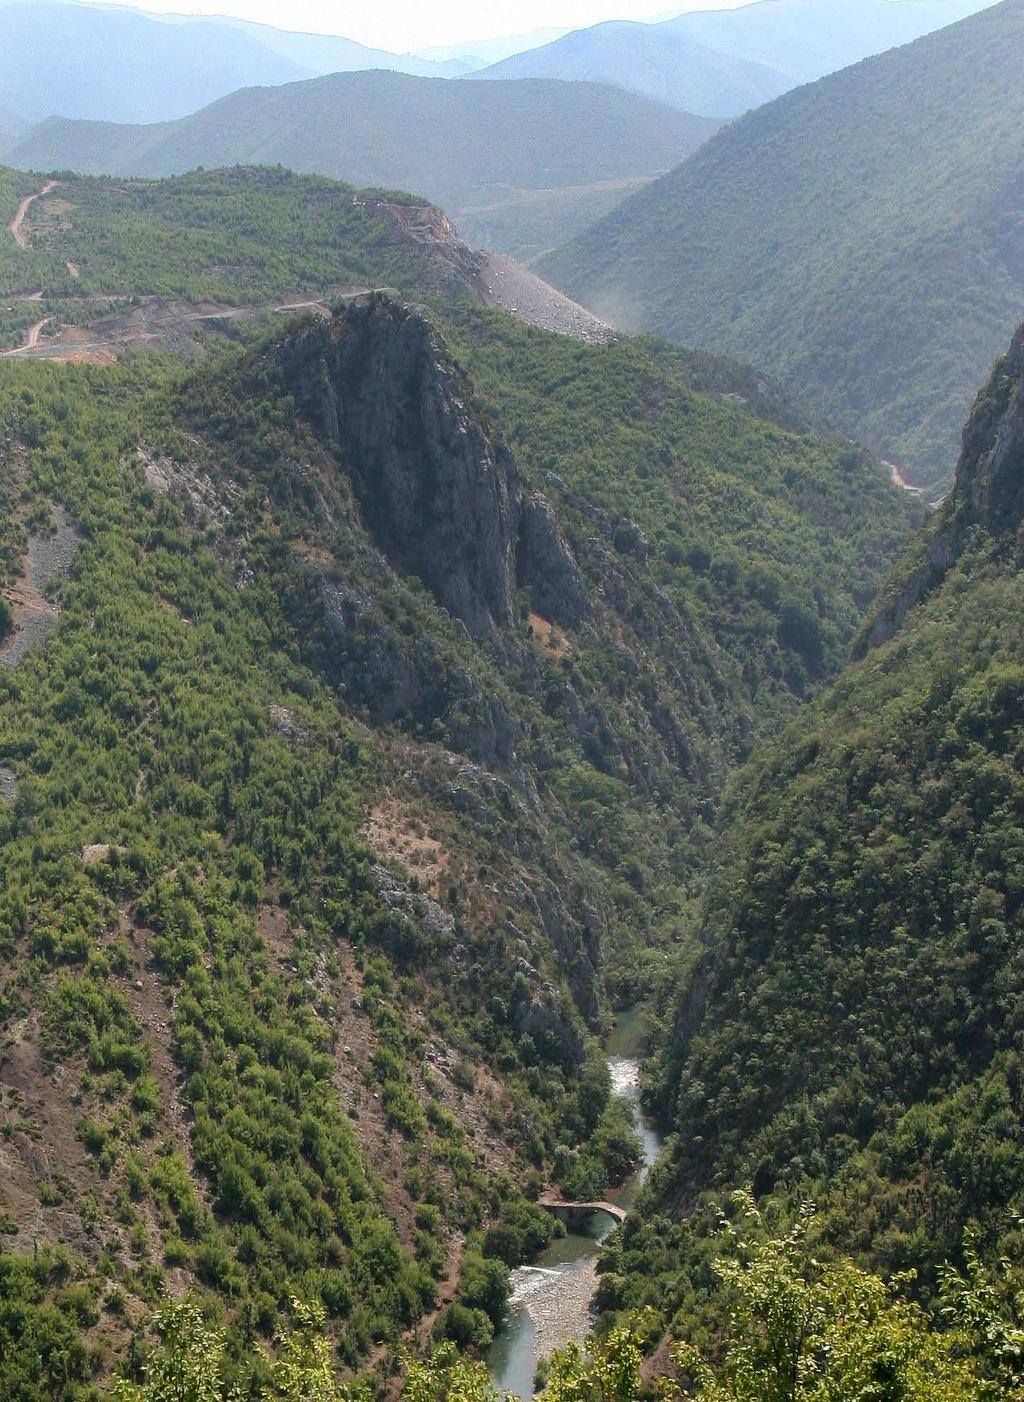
{"x":122,"y":65}
{"x":519,"y":167}
{"x":653,"y":60}
{"x":113,"y":63}
{"x":407,"y":677}
{"x":860,"y":238}
{"x":722,"y":63}
{"x":807,"y":39}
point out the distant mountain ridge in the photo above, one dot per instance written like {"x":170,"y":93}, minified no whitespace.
{"x":807,"y":39}
{"x":320,"y":54}
{"x":10,"y":129}
{"x":653,"y":60}
{"x":123,"y":65}
{"x":722,"y":63}
{"x":520,"y":167}
{"x":862,"y":238}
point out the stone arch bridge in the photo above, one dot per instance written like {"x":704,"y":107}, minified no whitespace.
{"x":572,"y":1213}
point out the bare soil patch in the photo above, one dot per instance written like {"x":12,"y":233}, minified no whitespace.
{"x":506,"y":283}
{"x":546,"y":637}
{"x":399,"y":836}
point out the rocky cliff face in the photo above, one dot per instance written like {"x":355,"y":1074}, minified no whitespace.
{"x":440,"y":493}
{"x":988,"y":493}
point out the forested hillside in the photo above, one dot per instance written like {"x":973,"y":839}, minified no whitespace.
{"x":326,"y":826}
{"x":860,"y":238}
{"x":520,"y":168}
{"x":249,"y":234}
{"x":182,"y":264}
{"x":851,"y":1032}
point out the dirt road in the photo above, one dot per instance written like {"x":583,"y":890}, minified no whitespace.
{"x":17,"y":225}
{"x":31,"y":341}
{"x":899,"y":480}
{"x":33,"y":333}
{"x":155,"y":323}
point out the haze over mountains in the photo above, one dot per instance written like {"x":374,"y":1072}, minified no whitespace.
{"x":10,"y":128}
{"x":806,"y":39}
{"x":118,"y":64}
{"x":860,"y":236}
{"x":579,"y":156}
{"x":519,"y":167}
{"x":123,"y":65}
{"x":722,"y":63}
{"x":653,"y":60}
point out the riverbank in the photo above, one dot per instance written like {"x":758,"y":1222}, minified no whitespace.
{"x":550,"y":1304}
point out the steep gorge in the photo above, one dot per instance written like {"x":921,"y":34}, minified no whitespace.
{"x":851,"y":1032}
{"x":359,"y":776}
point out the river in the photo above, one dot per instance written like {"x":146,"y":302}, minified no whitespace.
{"x":550,"y":1301}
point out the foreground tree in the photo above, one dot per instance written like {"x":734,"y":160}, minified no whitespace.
{"x":188,"y":1365}
{"x":797,"y":1330}
{"x":805,"y":1331}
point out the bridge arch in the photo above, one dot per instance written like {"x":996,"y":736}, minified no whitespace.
{"x":569,"y":1211}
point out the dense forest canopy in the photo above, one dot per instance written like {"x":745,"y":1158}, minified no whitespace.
{"x":393,"y":691}
{"x":851,"y":1034}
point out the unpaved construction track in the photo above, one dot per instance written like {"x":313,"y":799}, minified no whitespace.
{"x":176,"y":325}
{"x":17,"y":225}
{"x":32,"y":335}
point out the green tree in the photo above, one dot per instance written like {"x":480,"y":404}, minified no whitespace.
{"x":607,"y":1371}
{"x":188,"y":1365}
{"x":448,"y":1376}
{"x":804,"y":1331}
{"x":987,"y":1305}
{"x":304,"y":1371}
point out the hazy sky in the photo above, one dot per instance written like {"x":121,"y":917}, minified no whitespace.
{"x":402,"y":25}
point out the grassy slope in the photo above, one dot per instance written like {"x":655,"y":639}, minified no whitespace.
{"x":860,"y":238}
{"x":459,"y":144}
